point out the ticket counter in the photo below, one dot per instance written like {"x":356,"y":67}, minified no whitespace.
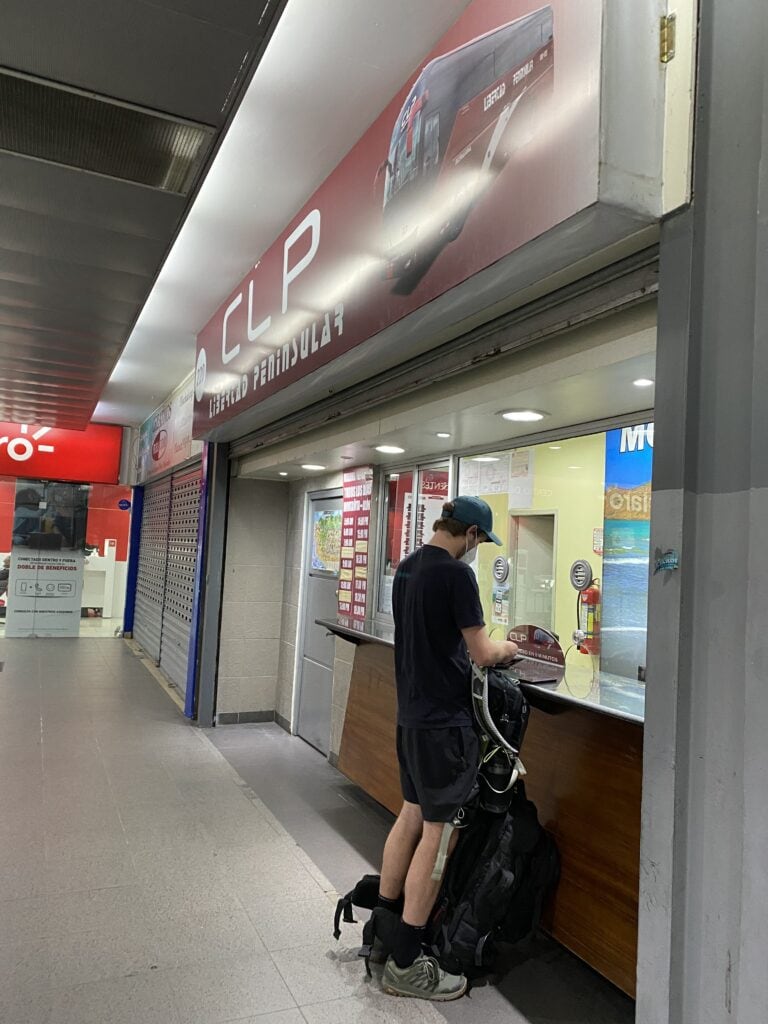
{"x":583,"y":755}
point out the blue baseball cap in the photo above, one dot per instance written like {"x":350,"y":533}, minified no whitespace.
{"x":475,"y":512}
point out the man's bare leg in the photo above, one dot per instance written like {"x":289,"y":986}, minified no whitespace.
{"x":399,"y":849}
{"x":420,"y":890}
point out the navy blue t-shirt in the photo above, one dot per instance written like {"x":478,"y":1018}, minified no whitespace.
{"x":434,"y":597}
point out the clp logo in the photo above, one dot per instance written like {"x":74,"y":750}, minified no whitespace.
{"x":22,"y":448}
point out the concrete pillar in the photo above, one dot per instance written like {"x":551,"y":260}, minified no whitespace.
{"x":703,"y":955}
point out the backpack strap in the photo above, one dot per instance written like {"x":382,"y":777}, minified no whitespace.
{"x":344,"y":906}
{"x":442,"y":852}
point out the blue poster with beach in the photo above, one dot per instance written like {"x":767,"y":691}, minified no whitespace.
{"x":626,"y":549}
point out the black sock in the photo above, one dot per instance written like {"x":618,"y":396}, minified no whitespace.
{"x":408,"y":940}
{"x":395,"y":906}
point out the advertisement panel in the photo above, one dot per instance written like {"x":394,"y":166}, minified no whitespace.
{"x":47,"y":453}
{"x":165,"y":439}
{"x":626,"y":548}
{"x":355,"y":532}
{"x":493,"y":141}
{"x":45,"y":578}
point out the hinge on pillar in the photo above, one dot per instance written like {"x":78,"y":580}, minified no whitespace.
{"x":667,"y":34}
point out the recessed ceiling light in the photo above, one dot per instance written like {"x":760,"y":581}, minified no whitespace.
{"x":389,"y":449}
{"x":575,"y":467}
{"x":283,"y":474}
{"x":442,"y":434}
{"x":523,"y":415}
{"x":310,"y":465}
{"x":485,"y":458}
{"x":555,"y":447}
{"x":643,"y":382}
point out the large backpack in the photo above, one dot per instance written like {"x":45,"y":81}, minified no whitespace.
{"x":498,"y":880}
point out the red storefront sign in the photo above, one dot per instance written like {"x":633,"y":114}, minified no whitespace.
{"x":357,"y":489}
{"x":47,"y":453}
{"x":494,"y":141}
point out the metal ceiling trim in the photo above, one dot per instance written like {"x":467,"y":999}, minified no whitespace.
{"x":625,"y":284}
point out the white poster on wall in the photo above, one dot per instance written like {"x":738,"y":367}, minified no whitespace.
{"x":44,"y":594}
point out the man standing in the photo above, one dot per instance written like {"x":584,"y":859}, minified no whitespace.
{"x":438,"y":626}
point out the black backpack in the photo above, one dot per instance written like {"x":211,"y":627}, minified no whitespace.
{"x":501,"y":873}
{"x":498,"y":879}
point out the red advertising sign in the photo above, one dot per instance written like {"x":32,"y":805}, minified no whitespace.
{"x":493,"y":141}
{"x":355,"y":533}
{"x":47,"y":453}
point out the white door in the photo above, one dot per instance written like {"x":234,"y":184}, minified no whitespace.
{"x":321,"y":581}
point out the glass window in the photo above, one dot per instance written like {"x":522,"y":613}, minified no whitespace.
{"x":413,"y":500}
{"x":431,"y":143}
{"x":553,"y":504}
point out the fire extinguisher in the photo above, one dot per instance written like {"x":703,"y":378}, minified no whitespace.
{"x":586,"y":636}
{"x":589,"y":618}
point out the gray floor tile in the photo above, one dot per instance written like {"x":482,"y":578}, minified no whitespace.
{"x":24,"y":965}
{"x":317,"y":973}
{"x":193,"y":938}
{"x":91,"y":956}
{"x":281,"y":1017}
{"x":283,"y":924}
{"x":142,"y":999}
{"x":374,"y":1007}
{"x":229,"y":991}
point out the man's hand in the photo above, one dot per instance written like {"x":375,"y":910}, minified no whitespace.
{"x":510,"y":653}
{"x":486,"y":652}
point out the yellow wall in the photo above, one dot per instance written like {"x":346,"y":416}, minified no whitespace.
{"x":576,"y":498}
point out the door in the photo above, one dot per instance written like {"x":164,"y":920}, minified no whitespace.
{"x":320,"y":585}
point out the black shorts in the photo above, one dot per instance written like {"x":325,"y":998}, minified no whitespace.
{"x":438,"y":768}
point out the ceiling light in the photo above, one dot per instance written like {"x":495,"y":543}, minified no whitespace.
{"x":389,"y":449}
{"x":575,"y":467}
{"x":283,"y":474}
{"x":485,"y":458}
{"x":555,"y":447}
{"x":311,"y":466}
{"x":643,"y":382}
{"x":523,"y":415}
{"x":442,"y":434}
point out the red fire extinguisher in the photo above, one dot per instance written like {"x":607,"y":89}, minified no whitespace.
{"x":589,"y":618}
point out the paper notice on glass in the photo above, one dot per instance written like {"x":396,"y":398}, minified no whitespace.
{"x":521,"y":478}
{"x":494,"y":476}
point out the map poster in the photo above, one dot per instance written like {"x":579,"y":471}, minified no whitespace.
{"x":357,"y":489}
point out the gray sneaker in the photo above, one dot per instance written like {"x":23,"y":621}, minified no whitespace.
{"x":424,"y":979}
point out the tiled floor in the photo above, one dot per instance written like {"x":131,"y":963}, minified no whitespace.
{"x":344,"y":832}
{"x":145,"y":882}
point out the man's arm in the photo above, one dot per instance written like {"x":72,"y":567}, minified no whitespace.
{"x":486,"y":652}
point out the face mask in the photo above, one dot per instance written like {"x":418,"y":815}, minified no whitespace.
{"x":470,"y":553}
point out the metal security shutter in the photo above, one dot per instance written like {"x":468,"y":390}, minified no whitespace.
{"x":180,"y":576}
{"x":153,"y":557}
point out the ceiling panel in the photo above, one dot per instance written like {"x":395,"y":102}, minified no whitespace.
{"x":94,"y":153}
{"x":146,"y":53}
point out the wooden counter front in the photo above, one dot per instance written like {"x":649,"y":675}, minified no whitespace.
{"x":584,"y":774}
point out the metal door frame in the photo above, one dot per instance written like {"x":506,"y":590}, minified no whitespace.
{"x":323,"y":495}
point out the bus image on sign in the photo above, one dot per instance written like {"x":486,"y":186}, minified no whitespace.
{"x":465,"y":115}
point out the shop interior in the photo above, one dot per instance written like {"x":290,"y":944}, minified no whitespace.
{"x":90,"y":521}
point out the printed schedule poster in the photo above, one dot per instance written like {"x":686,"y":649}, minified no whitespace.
{"x":44,"y":592}
{"x":355,"y":533}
